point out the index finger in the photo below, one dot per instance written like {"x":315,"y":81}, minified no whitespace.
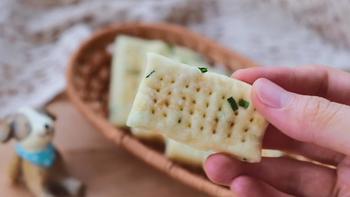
{"x":308,"y":80}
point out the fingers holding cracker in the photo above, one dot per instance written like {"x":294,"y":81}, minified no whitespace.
{"x":252,"y":187}
{"x":275,"y":139}
{"x":287,"y":175}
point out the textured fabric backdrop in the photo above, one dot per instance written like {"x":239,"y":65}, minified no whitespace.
{"x":38,"y":36}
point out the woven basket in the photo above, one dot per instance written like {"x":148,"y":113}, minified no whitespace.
{"x":88,"y":86}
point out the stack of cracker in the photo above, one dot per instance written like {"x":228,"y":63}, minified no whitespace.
{"x":128,"y":69}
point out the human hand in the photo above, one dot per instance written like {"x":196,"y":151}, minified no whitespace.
{"x":309,"y":114}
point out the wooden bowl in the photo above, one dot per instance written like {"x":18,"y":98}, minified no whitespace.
{"x":88,"y":86}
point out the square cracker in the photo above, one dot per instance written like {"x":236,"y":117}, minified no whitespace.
{"x":185,"y":154}
{"x":128,"y":66}
{"x":145,"y":134}
{"x":192,"y":107}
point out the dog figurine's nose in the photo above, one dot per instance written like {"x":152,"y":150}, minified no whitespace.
{"x":48,"y":129}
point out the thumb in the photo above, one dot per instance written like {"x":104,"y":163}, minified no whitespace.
{"x":309,"y":119}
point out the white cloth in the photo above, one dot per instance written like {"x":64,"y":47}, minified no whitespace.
{"x":37,"y":38}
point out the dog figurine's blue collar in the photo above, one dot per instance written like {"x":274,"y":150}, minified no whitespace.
{"x":44,"y":158}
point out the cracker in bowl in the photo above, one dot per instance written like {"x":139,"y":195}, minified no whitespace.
{"x":127,"y":68}
{"x":185,"y":154}
{"x":205,"y":110}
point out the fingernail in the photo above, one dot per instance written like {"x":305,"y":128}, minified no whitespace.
{"x":271,"y":94}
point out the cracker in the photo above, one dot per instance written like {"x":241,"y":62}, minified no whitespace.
{"x":272,"y":153}
{"x":128,"y":65}
{"x":187,"y":56}
{"x":192,"y":58}
{"x":127,"y":69}
{"x":147,"y":134}
{"x":185,"y":154}
{"x":193,"y":108}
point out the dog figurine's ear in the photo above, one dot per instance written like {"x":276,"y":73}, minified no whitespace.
{"x":21,"y":126}
{"x":5,"y":131}
{"x":17,"y":126}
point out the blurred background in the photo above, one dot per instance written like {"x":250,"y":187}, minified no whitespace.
{"x":37,"y":37}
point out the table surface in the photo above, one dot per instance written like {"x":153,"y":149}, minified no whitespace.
{"x":106,"y":169}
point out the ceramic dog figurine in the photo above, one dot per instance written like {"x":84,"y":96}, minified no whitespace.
{"x":37,"y":163}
